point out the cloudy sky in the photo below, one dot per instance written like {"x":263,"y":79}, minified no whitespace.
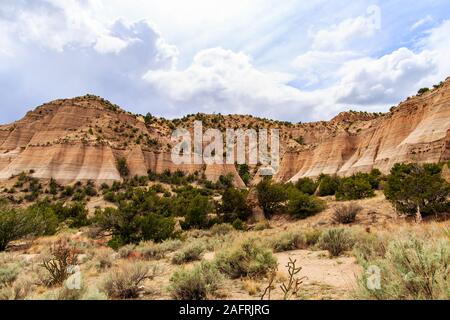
{"x":292,"y":60}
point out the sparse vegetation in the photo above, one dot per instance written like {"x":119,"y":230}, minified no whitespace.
{"x":200,"y":283}
{"x":249,"y":259}
{"x":411,"y":269}
{"x":336,"y":241}
{"x":125,"y":283}
{"x":346,"y":214}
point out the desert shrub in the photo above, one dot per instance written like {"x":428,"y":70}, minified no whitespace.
{"x":356,"y":187}
{"x":200,"y":283}
{"x":44,"y":217}
{"x":126,"y":251}
{"x":17,"y":290}
{"x":328,"y":185}
{"x":287,"y":242}
{"x":234,"y":205}
{"x":221,"y":229}
{"x":244,"y":173}
{"x":125,"y":283}
{"x":63,"y":255}
{"x":191,"y":252}
{"x":411,"y":269}
{"x":122,"y":167}
{"x":413,"y":189}
{"x":197,"y":213}
{"x":239,"y":225}
{"x":104,"y":260}
{"x":302,"y":205}
{"x":74,"y":214}
{"x":9,"y":273}
{"x":422,"y":91}
{"x":260,"y":226}
{"x":312,"y":237}
{"x":17,"y":224}
{"x":129,"y":225}
{"x":346,"y":214}
{"x":249,"y":259}
{"x":155,"y":251}
{"x":271,"y":196}
{"x":336,"y":241}
{"x":306,"y":185}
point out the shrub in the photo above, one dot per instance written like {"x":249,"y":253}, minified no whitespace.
{"x":151,"y":250}
{"x":200,"y":283}
{"x":129,"y":225}
{"x":45,"y":218}
{"x":16,"y":224}
{"x":125,"y":283}
{"x":18,"y":290}
{"x":271,"y":196}
{"x":192,"y":252}
{"x":9,"y":273}
{"x":412,"y":269}
{"x":221,"y":229}
{"x":415,"y":189}
{"x":302,"y":205}
{"x":287,"y":242}
{"x":422,"y":91}
{"x":197,"y":213}
{"x":234,"y":205}
{"x":249,"y":259}
{"x":122,"y":167}
{"x":63,"y":256}
{"x":346,"y":214}
{"x":74,"y":214}
{"x":306,"y":185}
{"x":336,"y":241}
{"x":312,"y":237}
{"x":328,"y":185}
{"x":239,"y":225}
{"x":355,"y":187}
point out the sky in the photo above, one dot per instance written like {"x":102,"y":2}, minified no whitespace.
{"x":292,"y":60}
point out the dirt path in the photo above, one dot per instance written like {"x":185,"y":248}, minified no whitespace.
{"x":325,"y":278}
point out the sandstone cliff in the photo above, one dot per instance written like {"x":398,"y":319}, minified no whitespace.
{"x":82,"y":139}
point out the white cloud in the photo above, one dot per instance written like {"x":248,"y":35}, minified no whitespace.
{"x":224,"y":81}
{"x":388,"y":79}
{"x":349,"y":32}
{"x":422,"y":22}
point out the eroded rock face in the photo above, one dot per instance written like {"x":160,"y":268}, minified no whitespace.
{"x":82,"y":139}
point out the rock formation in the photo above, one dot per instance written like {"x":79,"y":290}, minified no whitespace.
{"x":82,"y":139}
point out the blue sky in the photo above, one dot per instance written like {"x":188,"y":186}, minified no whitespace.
{"x":291,"y":60}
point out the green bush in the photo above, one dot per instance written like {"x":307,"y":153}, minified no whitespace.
{"x":239,"y":225}
{"x":355,"y":187}
{"x":44,"y":217}
{"x":221,"y":229}
{"x":412,"y":269}
{"x":271,"y":196}
{"x":419,"y":189}
{"x":328,"y":185}
{"x":234,"y":205}
{"x":197,"y":212}
{"x":200,"y":283}
{"x":122,"y":167}
{"x":302,"y":205}
{"x":129,"y":225}
{"x":74,"y":214}
{"x":288,"y":242}
{"x":249,"y":259}
{"x":17,"y":224}
{"x":306,"y":185}
{"x":336,"y":241}
{"x":192,"y":252}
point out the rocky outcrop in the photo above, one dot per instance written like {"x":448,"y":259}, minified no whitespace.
{"x":82,"y":139}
